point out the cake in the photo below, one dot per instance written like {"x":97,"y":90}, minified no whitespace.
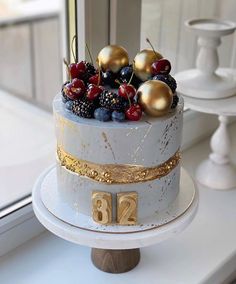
{"x":118,"y":130}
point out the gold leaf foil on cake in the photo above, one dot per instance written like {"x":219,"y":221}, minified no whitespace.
{"x":116,"y":173}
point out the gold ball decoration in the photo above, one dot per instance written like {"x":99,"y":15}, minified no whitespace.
{"x":155,"y":97}
{"x":112,"y":57}
{"x":143,"y":63}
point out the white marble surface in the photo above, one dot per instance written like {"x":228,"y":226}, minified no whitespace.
{"x":205,"y":253}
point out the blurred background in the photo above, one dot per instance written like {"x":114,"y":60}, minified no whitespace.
{"x":35,"y":35}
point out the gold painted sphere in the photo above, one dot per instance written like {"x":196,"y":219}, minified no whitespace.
{"x":155,"y":97}
{"x":112,"y":57}
{"x":143,"y":63}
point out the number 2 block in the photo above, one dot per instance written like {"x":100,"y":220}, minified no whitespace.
{"x":127,"y":208}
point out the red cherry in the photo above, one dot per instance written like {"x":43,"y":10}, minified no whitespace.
{"x":94,"y":79}
{"x":127,"y":90}
{"x":162,"y":66}
{"x":93,"y":91}
{"x":134,"y":112}
{"x":77,"y":70}
{"x":75,"y":89}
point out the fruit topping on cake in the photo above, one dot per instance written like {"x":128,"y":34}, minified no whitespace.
{"x":117,"y":90}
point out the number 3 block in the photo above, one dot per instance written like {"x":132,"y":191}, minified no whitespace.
{"x":127,"y":208}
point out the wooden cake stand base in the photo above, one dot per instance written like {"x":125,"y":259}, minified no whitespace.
{"x":115,"y":261}
{"x":117,"y":252}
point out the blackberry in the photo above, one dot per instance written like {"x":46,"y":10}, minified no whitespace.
{"x":89,"y":72}
{"x":90,"y":68}
{"x":83,"y":108}
{"x":64,"y":96}
{"x":168,"y":79}
{"x":111,"y":101}
{"x":175,"y":101}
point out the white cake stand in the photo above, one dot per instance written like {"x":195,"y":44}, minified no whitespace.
{"x":217,"y":171}
{"x":207,"y":81}
{"x":118,"y":252}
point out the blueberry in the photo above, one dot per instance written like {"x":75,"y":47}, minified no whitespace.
{"x":102,"y":114}
{"x":126,"y":73}
{"x":118,"y":116}
{"x":125,"y":76}
{"x":108,"y":78}
{"x":168,"y":79}
{"x":69,"y":105}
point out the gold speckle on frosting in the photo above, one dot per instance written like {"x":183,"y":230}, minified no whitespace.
{"x":116,"y":173}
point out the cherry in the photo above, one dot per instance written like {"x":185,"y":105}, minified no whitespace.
{"x":77,"y":70}
{"x":127,"y":91}
{"x":134,"y":112}
{"x":161,"y":66}
{"x":75,"y":89}
{"x":94,"y":79}
{"x":93,"y":91}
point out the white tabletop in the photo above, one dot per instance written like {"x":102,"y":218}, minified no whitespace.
{"x":225,"y":107}
{"x":204,"y":253}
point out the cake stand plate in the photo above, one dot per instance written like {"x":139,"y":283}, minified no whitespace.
{"x":207,"y":80}
{"x":195,"y":84}
{"x":116,"y":252}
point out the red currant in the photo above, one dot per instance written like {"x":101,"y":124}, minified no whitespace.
{"x":134,"y":112}
{"x":93,"y":91}
{"x":162,"y":66}
{"x":75,"y":89}
{"x":127,"y":91}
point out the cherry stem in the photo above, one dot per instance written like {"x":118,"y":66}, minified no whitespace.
{"x":132,"y":75}
{"x":128,"y":98}
{"x":148,"y":41}
{"x":73,"y":43}
{"x":118,"y":82}
{"x":67,"y":68}
{"x":99,"y":76}
{"x":90,"y":55}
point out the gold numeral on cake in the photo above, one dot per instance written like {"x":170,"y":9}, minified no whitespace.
{"x":101,"y":207}
{"x":127,"y":208}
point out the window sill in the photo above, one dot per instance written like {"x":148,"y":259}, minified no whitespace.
{"x":202,"y":247}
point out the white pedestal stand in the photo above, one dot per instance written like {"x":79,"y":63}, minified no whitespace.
{"x":208,"y":81}
{"x":119,"y":252}
{"x":217,"y":171}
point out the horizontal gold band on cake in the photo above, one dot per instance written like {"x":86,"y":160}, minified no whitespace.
{"x":116,"y":174}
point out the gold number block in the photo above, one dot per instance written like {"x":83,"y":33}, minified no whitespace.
{"x":102,"y":207}
{"x":127,"y":208}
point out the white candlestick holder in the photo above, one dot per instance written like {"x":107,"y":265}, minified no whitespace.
{"x":218,"y":171}
{"x":207,"y":80}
